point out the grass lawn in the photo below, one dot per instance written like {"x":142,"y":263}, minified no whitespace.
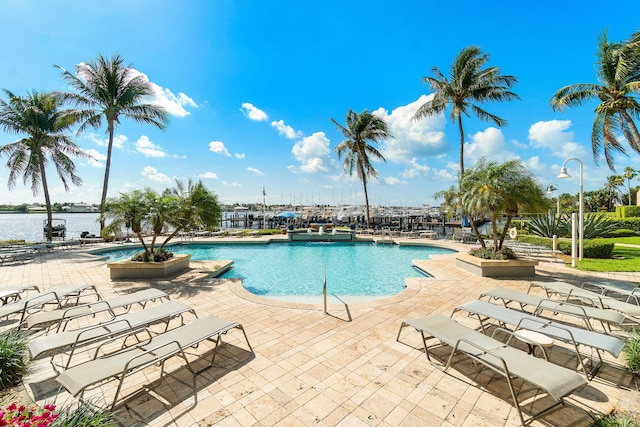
{"x":625,"y":259}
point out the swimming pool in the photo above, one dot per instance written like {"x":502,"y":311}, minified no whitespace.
{"x":297,"y":269}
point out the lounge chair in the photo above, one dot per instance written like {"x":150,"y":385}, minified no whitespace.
{"x":572,"y":335}
{"x":58,"y":295}
{"x":53,"y":344}
{"x":14,"y":293}
{"x":155,"y":350}
{"x":632,"y":292}
{"x":539,"y":305}
{"x":64,"y":315}
{"x":570,"y":293}
{"x":507,"y":361}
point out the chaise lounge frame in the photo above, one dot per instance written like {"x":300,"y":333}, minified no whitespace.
{"x":509,"y":362}
{"x":155,"y":350}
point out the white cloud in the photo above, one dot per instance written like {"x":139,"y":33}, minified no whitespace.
{"x":255,"y":171}
{"x":148,"y":148}
{"x":286,"y":130}
{"x":239,"y":155}
{"x":97,"y":158}
{"x":390,"y":180}
{"x":312,"y":152}
{"x":152,"y":174}
{"x":253,"y":112}
{"x":219,"y":148}
{"x":415,"y":170}
{"x":412,"y":138}
{"x":488,"y":143}
{"x":208,"y":175}
{"x":173,"y":104}
{"x":232,"y":184}
{"x":118,"y":140}
{"x":555,"y":135}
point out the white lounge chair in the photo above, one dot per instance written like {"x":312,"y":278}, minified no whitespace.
{"x":570,"y":292}
{"x":54,"y":344}
{"x":64,"y":315}
{"x":631,"y":291}
{"x":58,"y":295}
{"x":572,"y":335}
{"x":14,"y":293}
{"x":539,"y":306}
{"x":156,"y":350}
{"x":509,"y":362}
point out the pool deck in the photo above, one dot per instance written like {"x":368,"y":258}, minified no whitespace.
{"x":343,"y":368}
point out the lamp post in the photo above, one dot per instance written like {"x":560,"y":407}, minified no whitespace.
{"x":563,"y":175}
{"x":555,"y":188}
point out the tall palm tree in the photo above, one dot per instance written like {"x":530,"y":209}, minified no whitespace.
{"x":628,"y":174}
{"x":38,"y":116}
{"x":109,"y":90}
{"x":468,"y":84}
{"x":358,"y":153}
{"x":618,"y":74}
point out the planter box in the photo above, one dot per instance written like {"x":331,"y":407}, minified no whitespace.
{"x":497,"y":268}
{"x":127,"y":269}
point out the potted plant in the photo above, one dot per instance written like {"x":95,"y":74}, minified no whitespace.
{"x":495,"y":191}
{"x":145,"y":212}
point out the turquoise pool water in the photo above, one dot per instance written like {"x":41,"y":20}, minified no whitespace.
{"x":297,"y":269}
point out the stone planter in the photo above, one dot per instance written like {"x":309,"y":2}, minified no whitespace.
{"x":496,"y":268}
{"x":127,"y":269}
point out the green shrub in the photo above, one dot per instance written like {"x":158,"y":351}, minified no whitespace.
{"x":631,"y":352}
{"x":613,"y":420}
{"x":158,"y":256}
{"x":629,"y":223}
{"x":491,"y":253}
{"x":592,"y":249}
{"x":628,"y":211}
{"x":13,"y":358}
{"x":622,"y":232}
{"x":84,"y":414}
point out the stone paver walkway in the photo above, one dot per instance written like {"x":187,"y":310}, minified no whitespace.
{"x":344,"y":368}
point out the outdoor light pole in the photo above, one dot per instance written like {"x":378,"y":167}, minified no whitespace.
{"x":550,"y":189}
{"x":564,"y":174}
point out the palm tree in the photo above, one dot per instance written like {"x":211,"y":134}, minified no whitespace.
{"x":618,"y":73}
{"x":358,"y":129}
{"x":628,"y":174}
{"x":468,"y":84}
{"x":38,"y":116}
{"x":611,"y":187}
{"x":109,"y":90}
{"x":492,"y":189}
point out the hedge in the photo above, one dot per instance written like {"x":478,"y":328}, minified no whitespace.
{"x":628,"y":211}
{"x":592,"y":249}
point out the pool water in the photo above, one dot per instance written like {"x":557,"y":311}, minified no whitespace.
{"x":298,"y":269}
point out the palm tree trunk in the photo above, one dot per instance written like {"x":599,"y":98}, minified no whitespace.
{"x":366,"y":199}
{"x":47,"y":200}
{"x":474,"y":227}
{"x":461,"y":146}
{"x":105,"y":184}
{"x":629,"y":189}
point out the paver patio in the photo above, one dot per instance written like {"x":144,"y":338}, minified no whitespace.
{"x":344,"y":368}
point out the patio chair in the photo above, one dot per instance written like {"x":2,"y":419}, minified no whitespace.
{"x":14,"y":293}
{"x":155,"y":350}
{"x":507,"y":361}
{"x":58,"y":295}
{"x":573,"y":293}
{"x":62,"y":316}
{"x":631,"y":291}
{"x":539,"y":305}
{"x":54,"y":344}
{"x":572,"y":335}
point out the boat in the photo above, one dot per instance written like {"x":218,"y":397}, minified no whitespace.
{"x":58,"y":228}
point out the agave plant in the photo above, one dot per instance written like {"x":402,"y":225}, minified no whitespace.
{"x":595,"y":225}
{"x":548,"y":225}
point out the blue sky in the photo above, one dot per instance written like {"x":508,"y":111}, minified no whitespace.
{"x":251,"y":87}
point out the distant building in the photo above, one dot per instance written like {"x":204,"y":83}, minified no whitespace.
{"x":80,"y":208}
